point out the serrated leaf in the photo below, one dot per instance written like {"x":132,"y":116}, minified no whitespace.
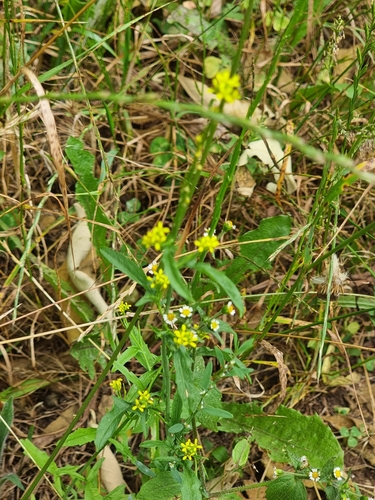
{"x":162,"y":487}
{"x":80,"y":437}
{"x":289,"y":433}
{"x":225,"y":283}
{"x":286,"y":487}
{"x":190,"y":486}
{"x":126,"y":266}
{"x":109,"y":423}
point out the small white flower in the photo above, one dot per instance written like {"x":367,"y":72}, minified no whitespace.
{"x":230,"y":308}
{"x":207,"y":232}
{"x":304,"y":462}
{"x":153,"y":267}
{"x":186,"y":311}
{"x":170,"y":318}
{"x":214,"y":325}
{"x":337,"y":472}
{"x":314,"y":475}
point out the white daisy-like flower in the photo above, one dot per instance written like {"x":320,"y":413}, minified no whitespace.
{"x":214,"y":325}
{"x":304,"y":462}
{"x":170,"y":318}
{"x":186,"y":311}
{"x":337,"y":472}
{"x":230,"y":308}
{"x":314,"y":475}
{"x":152,"y":268}
{"x":207,"y":231}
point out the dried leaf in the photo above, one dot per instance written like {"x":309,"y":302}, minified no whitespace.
{"x":79,"y":248}
{"x":62,"y":421}
{"x":110,"y":471}
{"x":244,"y":181}
{"x":259,"y":149}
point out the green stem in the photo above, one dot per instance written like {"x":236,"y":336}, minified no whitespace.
{"x":166,"y":389}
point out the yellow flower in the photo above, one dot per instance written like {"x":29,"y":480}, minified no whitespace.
{"x":139,"y":406}
{"x":159,"y":280}
{"x":189,"y":449}
{"x":145,"y":398}
{"x":229,"y":226}
{"x":314,"y":475}
{"x":143,"y":401}
{"x":185,"y":337}
{"x":156,"y":236}
{"x":116,"y":385}
{"x":206,"y":242}
{"x":123,"y":307}
{"x":225,"y":86}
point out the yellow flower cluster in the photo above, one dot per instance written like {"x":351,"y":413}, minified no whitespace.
{"x":123,"y":307}
{"x":185,"y":337}
{"x":225,"y":86}
{"x":159,"y":279}
{"x":156,"y":236}
{"x":143,"y":401}
{"x":116,"y":385}
{"x":189,"y":449}
{"x":206,"y":242}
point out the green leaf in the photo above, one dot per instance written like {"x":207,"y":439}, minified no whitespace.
{"x":225,"y":283}
{"x":288,"y":434}
{"x":7,"y":414}
{"x":80,"y":437}
{"x":174,"y":275}
{"x":254,"y":251}
{"x":109,"y":423}
{"x":38,"y":456}
{"x":162,"y":487}
{"x":240,"y":452}
{"x":190,"y":486}
{"x":126,"y":266}
{"x":161,"y":148}
{"x":286,"y":487}
{"x":83,"y":163}
{"x":175,"y":428}
{"x":26,"y":387}
{"x":143,"y":353}
{"x":87,"y":355}
{"x":184,"y":375}
{"x":216,"y":412}
{"x":13,"y":478}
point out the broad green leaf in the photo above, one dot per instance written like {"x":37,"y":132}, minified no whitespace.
{"x":109,"y":423}
{"x":240,"y":452}
{"x":286,"y":487}
{"x":38,"y":456}
{"x":143,"y":355}
{"x":126,"y":266}
{"x":7,"y":418}
{"x":88,"y":355}
{"x":216,"y":412}
{"x":161,"y":487}
{"x":80,"y":437}
{"x":225,"y":283}
{"x":176,"y":409}
{"x":288,"y":434}
{"x":190,"y":489}
{"x":87,"y":190}
{"x":175,"y":428}
{"x":184,"y":375}
{"x":174,"y":275}
{"x":26,"y":387}
{"x":254,"y":251}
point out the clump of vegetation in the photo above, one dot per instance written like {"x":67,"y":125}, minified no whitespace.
{"x":187,"y":243}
